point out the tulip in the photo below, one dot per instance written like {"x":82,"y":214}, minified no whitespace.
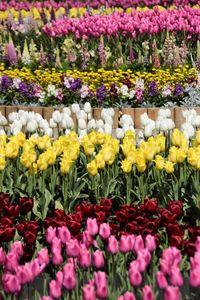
{"x":135,"y":277}
{"x":101,"y":285}
{"x":139,"y":244}
{"x":24,"y":274}
{"x":87,"y":239}
{"x":150,"y":243}
{"x":64,"y":234}
{"x":113,"y":247}
{"x":72,"y":248}
{"x":50,"y":234}
{"x":2,"y":256}
{"x":84,"y":257}
{"x":11,"y":283}
{"x":92,"y":226}
{"x":147,"y":293}
{"x":89,"y":292}
{"x":129,"y":296}
{"x":124,"y":245}
{"x":11,"y":262}
{"x":104,"y":231}
{"x":43,"y":256}
{"x":175,"y":276}
{"x":195,"y":278}
{"x":172,"y":293}
{"x":59,"y":277}
{"x":161,"y":280}
{"x":17,"y":248}
{"x":55,"y":289}
{"x":69,"y":280}
{"x":98,"y":259}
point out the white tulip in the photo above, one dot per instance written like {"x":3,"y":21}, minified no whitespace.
{"x":87,"y":107}
{"x":67,"y":110}
{"x":157,"y":124}
{"x":31,"y":126}
{"x":29,"y":115}
{"x":70,"y":123}
{"x":38,"y":117}
{"x":186,"y":127}
{"x":171,"y":124}
{"x":23,"y":120}
{"x":82,"y":124}
{"x":13,"y":116}
{"x":126,"y":127}
{"x":3,"y":121}
{"x":131,"y":128}
{"x":109,"y":120}
{"x":101,"y":130}
{"x":67,"y":131}
{"x":81,"y":115}
{"x":144,"y":119}
{"x":148,"y":131}
{"x":108,"y":128}
{"x":2,"y":132}
{"x":139,"y":137}
{"x":104,"y":113}
{"x":196,"y":121}
{"x":91,"y":124}
{"x":111,"y":111}
{"x":49,"y":132}
{"x":100,"y":124}
{"x":75,"y":108}
{"x":82,"y":132}
{"x":52,"y":124}
{"x":15,"y":130}
{"x":164,"y":125}
{"x":56,"y":115}
{"x":119,"y":133}
{"x":152,"y":124}
{"x":89,"y":116}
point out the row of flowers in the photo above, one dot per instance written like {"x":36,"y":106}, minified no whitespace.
{"x":27,"y":5}
{"x":97,"y":165}
{"x":101,"y":88}
{"x":99,"y":267}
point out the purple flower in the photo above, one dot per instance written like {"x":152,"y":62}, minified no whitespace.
{"x":11,"y":54}
{"x":152,"y":88}
{"x":23,"y":88}
{"x":5,"y":83}
{"x":113,"y":90}
{"x":75,"y":84}
{"x":101,"y":93}
{"x":178,"y":90}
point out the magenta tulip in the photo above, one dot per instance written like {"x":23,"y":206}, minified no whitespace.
{"x":89,"y":292}
{"x":17,"y":249}
{"x":50,"y":234}
{"x":104,"y":231}
{"x":55,"y":289}
{"x":139,"y":243}
{"x":147,"y":293}
{"x":92,"y":226}
{"x":72,"y":248}
{"x":84,"y":257}
{"x":172,"y":293}
{"x":11,"y":283}
{"x":161,"y":280}
{"x":2,"y":256}
{"x":150,"y":243}
{"x":43,"y":256}
{"x":101,"y":285}
{"x":64,"y":234}
{"x":195,"y":278}
{"x":124,"y":244}
{"x":98,"y":259}
{"x":135,"y":277}
{"x":59,"y":277}
{"x":176,"y":277}
{"x":113,"y":246}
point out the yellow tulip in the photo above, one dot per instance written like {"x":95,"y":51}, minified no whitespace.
{"x":42,"y":163}
{"x":176,"y":137}
{"x":169,"y":167}
{"x":115,"y":145}
{"x":33,"y":169}
{"x":111,"y":160}
{"x":100,"y":161}
{"x":181,"y":155}
{"x":126,"y":165}
{"x":173,"y":154}
{"x":65,"y":165}
{"x":2,"y":163}
{"x":88,"y":148}
{"x":159,"y":162}
{"x":12,"y":149}
{"x":92,"y":137}
{"x":43,"y":142}
{"x":50,"y":156}
{"x":92,"y":168}
{"x":3,"y":140}
{"x":198,"y":136}
{"x":28,"y":158}
{"x":21,"y":138}
{"x":107,"y":152}
{"x":100,"y":138}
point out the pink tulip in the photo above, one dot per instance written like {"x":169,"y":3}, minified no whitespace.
{"x":57,"y":258}
{"x":135,"y":277}
{"x":73,"y":248}
{"x":69,"y":281}
{"x":165,"y":266}
{"x":84,"y":257}
{"x":55,"y":289}
{"x":87,"y":239}
{"x":98,"y":259}
{"x":46,"y":298}
{"x":172,"y":293}
{"x":142,"y":265}
{"x":17,"y":249}
{"x":89,"y":292}
{"x":176,"y":277}
{"x":50,"y":234}
{"x":92,"y":226}
{"x":145,"y":254}
{"x":124,"y":244}
{"x":161,"y":280}
{"x":24,"y":274}
{"x":2,"y":256}
{"x":104,"y":231}
{"x":59,"y":277}
{"x":35,"y":268}
{"x":101,"y":285}
{"x":11,"y":283}
{"x":64,"y":234}
{"x":113,"y":247}
{"x":147,"y":293}
{"x":139,"y":243}
{"x":150,"y":243}
{"x":195,"y":278}
{"x":11,"y":262}
{"x":129,"y":296}
{"x":43,"y":256}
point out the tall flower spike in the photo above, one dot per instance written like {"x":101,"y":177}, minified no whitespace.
{"x":101,"y":51}
{"x":26,"y":55}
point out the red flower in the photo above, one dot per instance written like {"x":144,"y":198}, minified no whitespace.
{"x":4,"y":200}
{"x":20,"y":228}
{"x":106,"y":202}
{"x":12,"y":210}
{"x":151,"y":205}
{"x":100,"y":216}
{"x":8,"y":234}
{"x":26,"y":204}
{"x":167,"y":216}
{"x":59,"y":214}
{"x":194,"y":231}
{"x":132,"y":227}
{"x":114,"y":228}
{"x":74,"y":227}
{"x":121,"y":216}
{"x":176,"y":241}
{"x":7,"y":221}
{"x":175,"y":207}
{"x":30,"y":237}
{"x":189,"y":248}
{"x":86,"y":208}
{"x":175,"y":229}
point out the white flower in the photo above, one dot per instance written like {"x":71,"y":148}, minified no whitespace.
{"x":15,"y":130}
{"x":38,"y":117}
{"x":171,"y":124}
{"x":152,"y":124}
{"x":99,"y":123}
{"x":16,"y":82}
{"x":131,"y":128}
{"x":101,"y":130}
{"x":84,"y":91}
{"x":56,"y":115}
{"x":109,"y":120}
{"x":52,"y":124}
{"x":139,"y":137}
{"x":81,"y":114}
{"x":126,"y":127}
{"x":89,"y":116}
{"x":91,"y":124}
{"x":196,"y":121}
{"x":67,"y":110}
{"x":111,"y":111}
{"x":82,"y":132}
{"x":119,"y":133}
{"x":13,"y":116}
{"x":23,"y":120}
{"x":189,"y":129}
{"x":82,"y":124}
{"x":164,"y":113}
{"x":69,"y":123}
{"x":131,"y":94}
{"x":144,"y":119}
{"x":139,"y":84}
{"x":49,"y":132}
{"x":87,"y":107}
{"x":41,"y":97}
{"x":43,"y":124}
{"x":104,"y":113}
{"x":166,"y":91}
{"x":31,"y":126}
{"x":2,"y":132}
{"x":126,"y":119}
{"x":67,"y":82}
{"x":164,"y":125}
{"x":108,"y":128}
{"x":67,"y":131}
{"x":147,"y":131}
{"x":3,"y":120}
{"x":75,"y":108}
{"x":51,"y":90}
{"x":124,"y":90}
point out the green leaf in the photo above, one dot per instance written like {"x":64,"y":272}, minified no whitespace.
{"x":58,"y":205}
{"x":35,"y":210}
